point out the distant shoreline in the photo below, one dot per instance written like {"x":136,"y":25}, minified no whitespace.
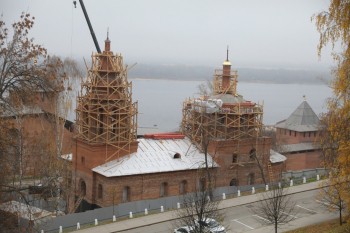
{"x":239,"y":81}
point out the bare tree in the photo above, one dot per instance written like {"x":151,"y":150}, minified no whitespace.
{"x":197,"y":207}
{"x":275,"y":207}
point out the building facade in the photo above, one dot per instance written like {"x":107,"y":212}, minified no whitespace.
{"x":111,"y":165}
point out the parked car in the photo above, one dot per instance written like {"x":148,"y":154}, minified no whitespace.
{"x":212,"y":225}
{"x":184,"y":229}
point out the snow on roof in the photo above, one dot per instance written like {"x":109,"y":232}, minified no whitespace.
{"x":24,"y":211}
{"x":154,"y":156}
{"x":276,"y":157}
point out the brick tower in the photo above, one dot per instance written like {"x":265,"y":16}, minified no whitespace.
{"x":230,"y":129}
{"x":106,"y":120}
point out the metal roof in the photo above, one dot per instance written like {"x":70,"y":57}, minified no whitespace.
{"x":303,"y":119}
{"x":276,"y":157}
{"x":155,"y":156}
{"x":288,"y":148}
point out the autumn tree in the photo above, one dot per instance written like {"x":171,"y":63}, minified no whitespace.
{"x":334,"y":28}
{"x":26,"y":74}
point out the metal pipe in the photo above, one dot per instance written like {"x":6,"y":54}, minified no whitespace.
{"x":90,"y":26}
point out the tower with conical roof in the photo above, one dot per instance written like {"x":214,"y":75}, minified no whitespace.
{"x":297,"y":138}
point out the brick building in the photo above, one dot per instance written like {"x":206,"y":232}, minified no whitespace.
{"x":111,"y":165}
{"x":297,"y":139}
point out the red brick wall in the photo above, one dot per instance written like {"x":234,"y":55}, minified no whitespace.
{"x":286,"y":136}
{"x":305,"y":160}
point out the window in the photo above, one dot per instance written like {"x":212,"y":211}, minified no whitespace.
{"x":126,"y":194}
{"x":183,"y":187}
{"x":202,"y":184}
{"x":295,"y":133}
{"x":315,"y":134}
{"x":251,"y":179}
{"x":83,"y":160}
{"x":234,"y":182}
{"x":82,"y":188}
{"x":290,"y":132}
{"x":177,"y":156}
{"x":99,"y":191}
{"x":252,"y":154}
{"x":304,"y":134}
{"x":164,"y":189}
{"x":234,"y":158}
{"x":309,"y":134}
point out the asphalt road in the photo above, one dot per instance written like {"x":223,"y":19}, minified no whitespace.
{"x":309,"y":209}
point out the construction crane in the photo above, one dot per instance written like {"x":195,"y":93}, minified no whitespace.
{"x":89,"y":24}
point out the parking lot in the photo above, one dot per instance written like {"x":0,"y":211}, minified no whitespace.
{"x":244,"y":218}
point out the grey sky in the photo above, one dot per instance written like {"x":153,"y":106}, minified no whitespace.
{"x":260,"y":33}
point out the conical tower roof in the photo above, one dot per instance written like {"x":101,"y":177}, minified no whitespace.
{"x":303,"y":119}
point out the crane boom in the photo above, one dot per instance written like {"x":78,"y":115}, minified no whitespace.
{"x":90,"y":26}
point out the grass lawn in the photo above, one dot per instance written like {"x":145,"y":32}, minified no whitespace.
{"x":327,"y":227}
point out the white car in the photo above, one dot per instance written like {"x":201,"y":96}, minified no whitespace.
{"x":184,"y":229}
{"x":212,"y":225}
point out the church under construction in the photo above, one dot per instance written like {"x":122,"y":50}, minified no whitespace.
{"x":111,"y":164}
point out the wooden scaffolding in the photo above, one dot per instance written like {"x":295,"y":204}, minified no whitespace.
{"x":232,"y":119}
{"x":105,"y":111}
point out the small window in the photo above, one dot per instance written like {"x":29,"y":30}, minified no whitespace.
{"x":83,"y":160}
{"x":234,"y":158}
{"x":251,"y":179}
{"x":290,"y":132}
{"x":99,"y":191}
{"x":164,"y":189}
{"x":126,"y":194}
{"x":202,"y":184}
{"x":295,"y":133}
{"x":304,"y":134}
{"x":252,"y":154}
{"x":177,"y":156}
{"x":234,"y":182}
{"x":183,"y":187}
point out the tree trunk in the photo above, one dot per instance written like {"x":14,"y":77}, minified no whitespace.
{"x":276,"y":224}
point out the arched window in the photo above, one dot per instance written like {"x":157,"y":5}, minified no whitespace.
{"x":234,"y":158}
{"x":126,"y":194}
{"x":252,"y":154}
{"x":99,"y":191}
{"x":82,"y":188}
{"x":177,"y":156}
{"x":251,"y":179}
{"x":234,"y":182}
{"x":183,"y":187}
{"x":83,"y":160}
{"x":164,"y":189}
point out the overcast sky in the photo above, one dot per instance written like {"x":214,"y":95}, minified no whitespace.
{"x":260,"y":33}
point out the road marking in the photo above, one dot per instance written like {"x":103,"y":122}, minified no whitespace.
{"x":289,"y":214}
{"x":255,"y":215}
{"x":236,"y":220}
{"x":326,"y":203}
{"x":306,"y":209}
